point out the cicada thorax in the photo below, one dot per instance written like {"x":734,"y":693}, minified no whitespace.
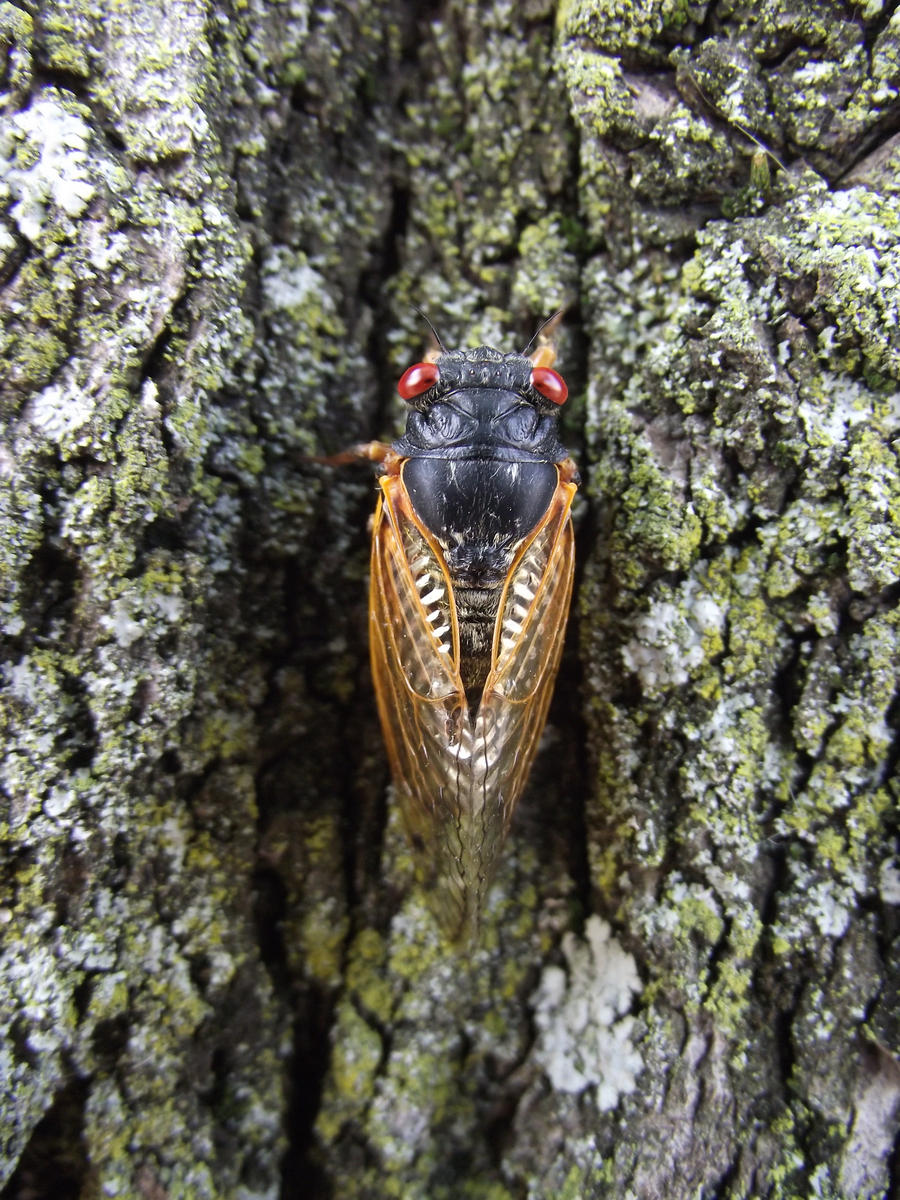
{"x":479,"y":511}
{"x":471,"y":580}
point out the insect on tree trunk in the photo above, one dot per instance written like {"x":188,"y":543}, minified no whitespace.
{"x":218,"y":978}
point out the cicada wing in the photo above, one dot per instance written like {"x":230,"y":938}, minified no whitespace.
{"x":414,"y":641}
{"x":528,"y":642}
{"x":458,"y":780}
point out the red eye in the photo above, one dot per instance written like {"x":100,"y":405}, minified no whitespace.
{"x":548,"y":383}
{"x":417,"y":379}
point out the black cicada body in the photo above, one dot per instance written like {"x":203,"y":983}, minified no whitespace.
{"x":472,"y":561}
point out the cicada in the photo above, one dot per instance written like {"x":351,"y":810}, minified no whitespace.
{"x":472,"y":562}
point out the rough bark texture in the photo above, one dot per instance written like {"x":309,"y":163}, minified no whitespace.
{"x":216,"y":978}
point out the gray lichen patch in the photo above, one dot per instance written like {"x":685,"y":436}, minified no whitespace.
{"x":47,"y":177}
{"x":584,"y":1032}
{"x":150,"y":73}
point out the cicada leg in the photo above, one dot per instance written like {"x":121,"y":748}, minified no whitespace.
{"x":376,"y":452}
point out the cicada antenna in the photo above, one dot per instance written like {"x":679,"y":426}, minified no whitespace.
{"x":427,"y":320}
{"x":540,"y":329}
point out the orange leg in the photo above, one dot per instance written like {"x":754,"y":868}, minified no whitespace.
{"x":376,"y":452}
{"x":568,"y":472}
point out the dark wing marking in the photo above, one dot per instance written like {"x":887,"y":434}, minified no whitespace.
{"x":459,"y":779}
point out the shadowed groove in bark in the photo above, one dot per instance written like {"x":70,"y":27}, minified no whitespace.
{"x":54,"y":1162}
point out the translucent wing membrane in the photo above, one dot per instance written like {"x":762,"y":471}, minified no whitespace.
{"x":460,"y":777}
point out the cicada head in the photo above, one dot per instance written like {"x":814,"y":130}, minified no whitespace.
{"x":482,"y":404}
{"x":531,"y":379}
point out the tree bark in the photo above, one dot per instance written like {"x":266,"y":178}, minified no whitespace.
{"x":218,"y":978}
